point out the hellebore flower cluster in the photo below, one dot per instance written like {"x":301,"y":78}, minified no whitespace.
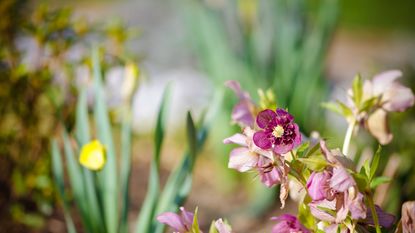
{"x":262,"y":148}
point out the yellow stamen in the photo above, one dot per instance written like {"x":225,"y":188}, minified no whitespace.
{"x":278,"y":131}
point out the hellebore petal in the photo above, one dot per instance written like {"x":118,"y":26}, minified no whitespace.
{"x":238,"y":138}
{"x":341,"y":180}
{"x":173,"y":220}
{"x":317,"y":185}
{"x":377,"y":124}
{"x":395,"y":97}
{"x":181,"y":223}
{"x":317,"y":211}
{"x":408,"y":217}
{"x":266,"y":119}
{"x":283,"y":148}
{"x":268,"y":173}
{"x":287,"y":224}
{"x":242,"y":159}
{"x":263,"y":140}
{"x":243,"y":112}
{"x":385,"y":219}
{"x":357,"y":207}
{"x":222,"y":227}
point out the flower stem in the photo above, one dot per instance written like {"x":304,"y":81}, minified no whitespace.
{"x":348,"y":138}
{"x":374,"y":214}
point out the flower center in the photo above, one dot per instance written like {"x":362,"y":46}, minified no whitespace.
{"x":278,"y":131}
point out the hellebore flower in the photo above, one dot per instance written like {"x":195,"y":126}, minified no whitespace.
{"x":333,"y":191}
{"x":279,"y":132}
{"x":388,"y":95}
{"x":246,"y":157}
{"x":244,"y":111}
{"x":93,"y":156}
{"x":288,"y":224}
{"x":181,"y":223}
{"x":408,"y":217}
{"x":222,"y":227}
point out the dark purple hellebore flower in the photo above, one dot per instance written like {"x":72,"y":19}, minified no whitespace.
{"x":288,"y":223}
{"x":279,"y":131}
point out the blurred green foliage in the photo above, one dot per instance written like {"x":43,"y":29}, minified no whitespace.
{"x":40,"y":51}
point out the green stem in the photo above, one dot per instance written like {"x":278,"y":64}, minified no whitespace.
{"x":348,"y":138}
{"x":374,"y":214}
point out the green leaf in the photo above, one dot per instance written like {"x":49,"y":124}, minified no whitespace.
{"x":125,"y":170}
{"x":305,"y":216}
{"x":366,"y":168}
{"x":58,"y":173}
{"x":375,"y":163}
{"x":144,"y":223}
{"x":369,"y":103}
{"x":212,"y":228}
{"x":357,"y":90}
{"x":314,"y":162}
{"x":108,"y":176}
{"x":83,"y":137}
{"x":378,"y":181}
{"x":361,"y":181}
{"x":195,"y":225}
{"x":303,"y":147}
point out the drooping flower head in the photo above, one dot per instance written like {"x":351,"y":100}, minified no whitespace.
{"x":288,"y":224}
{"x":279,"y":132}
{"x":181,"y":223}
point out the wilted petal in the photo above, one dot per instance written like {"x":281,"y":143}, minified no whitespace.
{"x":242,"y":159}
{"x":238,"y":138}
{"x":263,"y":140}
{"x":377,"y":124}
{"x":284,"y":188}
{"x":341,"y":179}
{"x":266,"y":119}
{"x":408,"y":217}
{"x":173,"y":220}
{"x":317,"y":185}
{"x":222,"y":227}
{"x":357,"y":207}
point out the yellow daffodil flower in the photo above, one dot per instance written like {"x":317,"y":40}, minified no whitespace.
{"x":93,"y":156}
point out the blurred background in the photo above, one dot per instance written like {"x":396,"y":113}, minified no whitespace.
{"x":306,"y":52}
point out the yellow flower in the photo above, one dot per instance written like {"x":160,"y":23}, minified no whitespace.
{"x":93,"y":156}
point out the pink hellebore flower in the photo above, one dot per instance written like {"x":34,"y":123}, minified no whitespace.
{"x":288,"y":224}
{"x":335,"y":189}
{"x":279,"y":132}
{"x":394,"y":97}
{"x":246,"y":157}
{"x":181,"y":223}
{"x":244,"y":111}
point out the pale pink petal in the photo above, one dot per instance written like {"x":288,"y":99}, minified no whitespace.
{"x":187,"y":217}
{"x":408,"y":217}
{"x":222,"y":227}
{"x":377,"y":125}
{"x":357,"y":207}
{"x":242,"y":159}
{"x":173,"y":220}
{"x":317,"y":185}
{"x":238,"y":138}
{"x":397,"y":98}
{"x":319,"y":213}
{"x":341,"y":179}
{"x":382,"y":81}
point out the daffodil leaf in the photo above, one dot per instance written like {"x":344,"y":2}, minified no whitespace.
{"x":375,"y":163}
